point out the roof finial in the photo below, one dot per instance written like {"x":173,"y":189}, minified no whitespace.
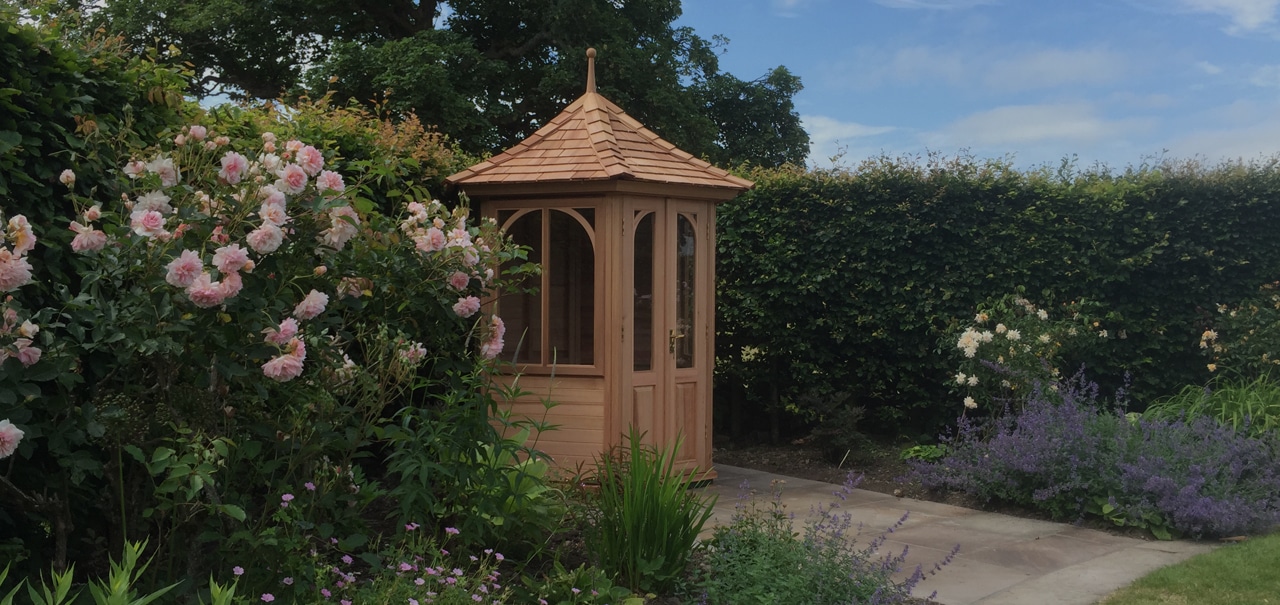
{"x":591,"y":70}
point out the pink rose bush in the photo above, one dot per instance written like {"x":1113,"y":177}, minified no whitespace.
{"x":10,"y":436}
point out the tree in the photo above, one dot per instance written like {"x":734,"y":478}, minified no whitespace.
{"x":486,"y":72}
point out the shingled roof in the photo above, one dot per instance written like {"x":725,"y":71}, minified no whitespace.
{"x":594,"y":140}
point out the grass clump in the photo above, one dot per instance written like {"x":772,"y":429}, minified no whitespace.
{"x":1252,"y":406}
{"x":1240,"y":573}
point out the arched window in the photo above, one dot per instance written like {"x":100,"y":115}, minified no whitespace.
{"x":551,"y":317}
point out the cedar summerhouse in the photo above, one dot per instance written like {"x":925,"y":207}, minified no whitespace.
{"x":620,"y":332}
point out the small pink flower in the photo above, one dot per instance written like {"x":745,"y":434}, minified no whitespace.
{"x":268,"y":597}
{"x":311,"y":487}
{"x":229,"y":259}
{"x":452,"y":531}
{"x":330,"y":181}
{"x":312,"y":305}
{"x":324,"y":592}
{"x":218,"y":237}
{"x":287,"y":498}
{"x":233,"y":167}
{"x":459,"y":280}
{"x":311,"y":160}
{"x":9,"y":438}
{"x":347,"y":559}
{"x":293,"y":179}
{"x":198,"y":132}
{"x":204,"y":292}
{"x":265,"y":239}
{"x":237,"y":570}
{"x":183,"y":270}
{"x":467,"y":306}
{"x":67,"y":178}
{"x":288,"y":581}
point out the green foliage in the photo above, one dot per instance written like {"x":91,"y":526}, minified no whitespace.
{"x":849,"y":279}
{"x":925,"y":453}
{"x":1242,"y":338}
{"x":1252,"y":406}
{"x":759,"y":559}
{"x":1236,"y":573}
{"x":488,"y":73}
{"x":647,"y":520}
{"x":580,"y":586}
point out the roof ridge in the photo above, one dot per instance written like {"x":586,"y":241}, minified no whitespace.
{"x":599,"y":123}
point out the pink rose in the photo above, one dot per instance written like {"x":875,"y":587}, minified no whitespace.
{"x":283,"y":368}
{"x":167,"y":170}
{"x":343,"y":223}
{"x":273,"y":214}
{"x":287,"y":330}
{"x":24,"y":239}
{"x":293,"y":145}
{"x":432,"y":240}
{"x":492,"y":346}
{"x":198,"y":132}
{"x":184,"y":269}
{"x":229,"y":259}
{"x":311,"y":306}
{"x":87,"y":239}
{"x":293,"y":179}
{"x":27,"y":354}
{"x":10,"y":436}
{"x":268,"y":137}
{"x":233,"y":167}
{"x":265,"y":239}
{"x":154,"y":200}
{"x":311,"y":160}
{"x":67,"y":178}
{"x":15,"y":271}
{"x":134,"y":169}
{"x":204,"y":292}
{"x":459,"y":280}
{"x":330,"y":180}
{"x":93,"y":213}
{"x":466,"y":306}
{"x":148,"y":223}
{"x":231,"y":285}
{"x":218,"y":237}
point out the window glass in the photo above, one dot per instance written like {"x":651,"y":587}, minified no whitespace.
{"x":642,"y":309}
{"x":571,"y":289}
{"x":686,"y":282}
{"x":520,"y":308}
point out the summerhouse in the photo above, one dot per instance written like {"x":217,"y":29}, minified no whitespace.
{"x":619,"y":332}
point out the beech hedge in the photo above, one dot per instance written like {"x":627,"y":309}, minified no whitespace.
{"x":839,"y":285}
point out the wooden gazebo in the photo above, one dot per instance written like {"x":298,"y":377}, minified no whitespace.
{"x":620,"y":332}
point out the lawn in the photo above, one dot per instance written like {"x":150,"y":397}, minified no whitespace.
{"x":1240,"y":573}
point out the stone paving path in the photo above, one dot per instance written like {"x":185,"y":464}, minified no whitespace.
{"x":1003,"y":560}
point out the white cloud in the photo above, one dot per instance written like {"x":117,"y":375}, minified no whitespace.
{"x":1017,"y":125}
{"x":1208,"y":68}
{"x":1153,"y":100}
{"x":1267,"y":76}
{"x":789,"y":8}
{"x":1250,"y":142}
{"x":1245,"y":15}
{"x":1051,"y":68}
{"x":828,"y":137}
{"x":934,"y":4}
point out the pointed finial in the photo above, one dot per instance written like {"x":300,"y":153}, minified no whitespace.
{"x":591,"y":70}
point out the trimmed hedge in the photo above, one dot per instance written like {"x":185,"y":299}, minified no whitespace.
{"x":844,"y":281}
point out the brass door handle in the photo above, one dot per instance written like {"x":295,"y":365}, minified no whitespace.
{"x":672,"y":337}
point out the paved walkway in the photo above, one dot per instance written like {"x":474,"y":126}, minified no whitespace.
{"x":1003,"y":560}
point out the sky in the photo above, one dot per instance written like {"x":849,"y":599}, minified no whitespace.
{"x":1115,"y":82}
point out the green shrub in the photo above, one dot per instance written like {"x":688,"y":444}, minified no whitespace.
{"x":759,"y":559}
{"x":647,"y":522}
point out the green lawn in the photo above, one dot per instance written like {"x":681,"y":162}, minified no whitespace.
{"x":1235,"y":574}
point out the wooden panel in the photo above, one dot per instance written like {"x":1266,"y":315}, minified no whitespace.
{"x":646,"y":416}
{"x":686,"y":413}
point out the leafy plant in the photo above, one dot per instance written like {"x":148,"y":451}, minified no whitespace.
{"x":581,"y":586}
{"x":1252,"y":406}
{"x":926,"y":453}
{"x":759,"y":559}
{"x":647,"y":522}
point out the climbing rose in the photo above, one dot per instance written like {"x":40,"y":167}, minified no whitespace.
{"x":433,"y":240}
{"x":204,"y":292}
{"x":154,"y":200}
{"x":493,"y":345}
{"x":466,"y":306}
{"x":168,"y":172}
{"x":87,"y":239}
{"x":231,"y":285}
{"x":148,"y":223}
{"x":15,"y":271}
{"x":343,"y":223}
{"x":229,"y":259}
{"x":67,"y":178}
{"x":24,"y":239}
{"x":311,"y":306}
{"x":184,"y":269}
{"x":265,"y":239}
{"x":233,"y":167}
{"x":288,"y":328}
{"x":287,"y":366}
{"x":10,"y":436}
{"x":293,"y":179}
{"x":198,"y":132}
{"x":310,"y":159}
{"x":459,"y":280}
{"x":330,"y":180}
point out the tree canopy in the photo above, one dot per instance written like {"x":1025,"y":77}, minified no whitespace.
{"x":485,"y":72}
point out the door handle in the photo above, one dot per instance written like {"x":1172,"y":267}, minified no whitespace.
{"x":673,"y":336}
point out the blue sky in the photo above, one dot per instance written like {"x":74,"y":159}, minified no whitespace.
{"x":1038,"y":80}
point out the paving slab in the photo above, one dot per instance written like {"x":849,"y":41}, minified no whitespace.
{"x":1003,"y":560}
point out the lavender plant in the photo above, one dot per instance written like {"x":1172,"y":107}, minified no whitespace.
{"x":759,"y":558}
{"x":1073,"y":454}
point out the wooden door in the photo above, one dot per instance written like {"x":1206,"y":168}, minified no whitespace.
{"x":669,"y":352}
